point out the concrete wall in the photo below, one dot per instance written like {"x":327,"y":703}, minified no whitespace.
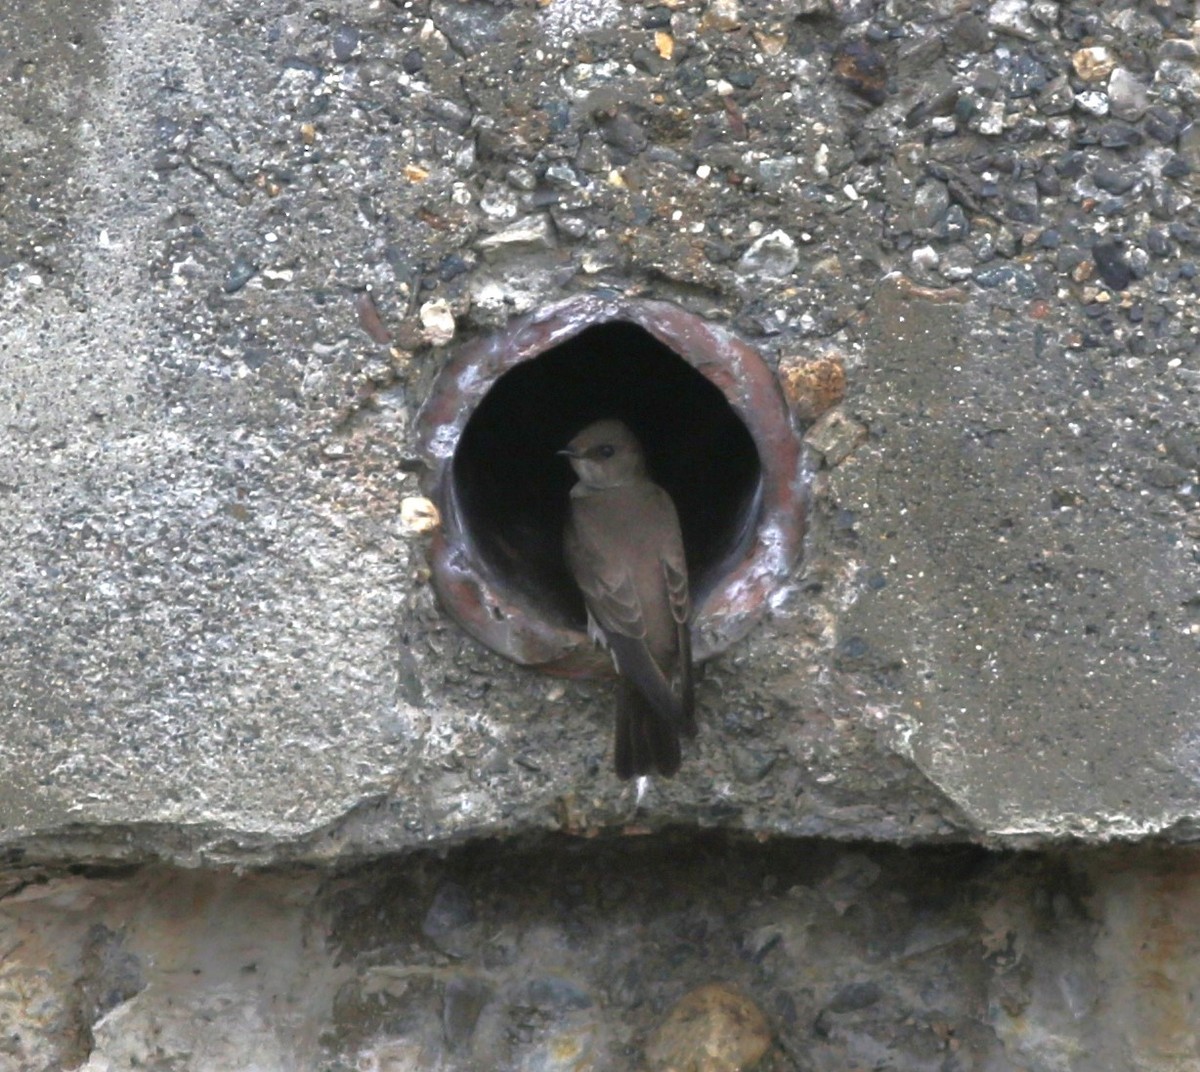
{"x":236,"y":244}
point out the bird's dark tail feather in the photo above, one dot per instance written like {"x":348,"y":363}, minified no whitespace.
{"x":635,"y":663}
{"x":650,"y":715}
{"x":647,"y":739}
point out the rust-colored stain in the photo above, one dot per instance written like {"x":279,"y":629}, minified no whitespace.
{"x":862,"y":69}
{"x":370,"y":320}
{"x":812,"y":387}
{"x":1168,"y":935}
{"x":939,"y":295}
{"x":1151,"y":942}
{"x":737,"y":122}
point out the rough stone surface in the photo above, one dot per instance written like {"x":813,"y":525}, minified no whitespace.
{"x":228,"y":269}
{"x":566,"y":955}
{"x":220,"y":225}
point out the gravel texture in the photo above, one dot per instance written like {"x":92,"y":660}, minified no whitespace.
{"x":238,"y":242}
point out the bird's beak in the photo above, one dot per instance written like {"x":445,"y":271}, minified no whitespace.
{"x":568,"y":453}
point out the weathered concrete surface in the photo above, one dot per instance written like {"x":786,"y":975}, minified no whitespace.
{"x":567,"y":955}
{"x":1031,"y":589}
{"x":218,"y":638}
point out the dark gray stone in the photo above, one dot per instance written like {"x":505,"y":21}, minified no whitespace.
{"x":345,"y":43}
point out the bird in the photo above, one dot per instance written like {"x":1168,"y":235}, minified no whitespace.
{"x":624,"y":548}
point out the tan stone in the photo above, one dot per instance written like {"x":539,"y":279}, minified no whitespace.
{"x":812,"y":387}
{"x":712,"y":1029}
{"x":1094,"y":64}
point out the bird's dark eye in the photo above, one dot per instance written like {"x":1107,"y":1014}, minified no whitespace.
{"x":606,"y":450}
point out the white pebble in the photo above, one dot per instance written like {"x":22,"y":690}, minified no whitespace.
{"x":1092,"y":101}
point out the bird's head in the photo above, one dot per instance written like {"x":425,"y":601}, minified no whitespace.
{"x":606,"y":454}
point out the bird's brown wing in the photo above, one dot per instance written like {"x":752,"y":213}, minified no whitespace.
{"x":610,"y":594}
{"x":675,"y":574}
{"x":612,"y":600}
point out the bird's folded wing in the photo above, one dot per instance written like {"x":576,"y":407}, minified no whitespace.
{"x":609,"y":593}
{"x":675,"y":574}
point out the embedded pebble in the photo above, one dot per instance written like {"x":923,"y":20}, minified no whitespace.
{"x":1092,"y":101}
{"x":773,"y":256}
{"x":712,"y":1029}
{"x":240,"y":272}
{"x":345,"y":43}
{"x":1094,"y":64}
{"x":836,"y":436}
{"x":1012,"y":17}
{"x":530,"y":233}
{"x":813,"y":387}
{"x":418,"y":515}
{"x":437,"y":322}
{"x":1128,"y":97}
{"x":862,"y":68}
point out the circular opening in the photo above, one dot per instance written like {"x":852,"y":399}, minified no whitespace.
{"x":718,"y":437}
{"x":512,"y":489}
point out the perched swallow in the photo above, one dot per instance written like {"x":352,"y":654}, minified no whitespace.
{"x":625,"y":551}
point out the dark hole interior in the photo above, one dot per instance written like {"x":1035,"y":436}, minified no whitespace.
{"x":512,"y":488}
